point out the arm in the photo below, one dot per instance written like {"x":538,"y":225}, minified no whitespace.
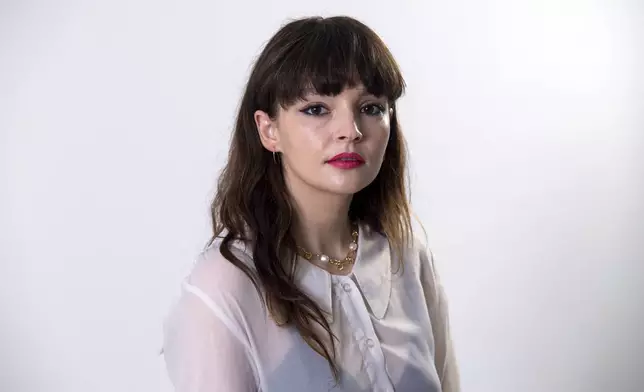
{"x":444,"y":358}
{"x":202,"y":351}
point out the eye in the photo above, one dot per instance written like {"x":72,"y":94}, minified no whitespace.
{"x":373,"y":109}
{"x":315,"y":110}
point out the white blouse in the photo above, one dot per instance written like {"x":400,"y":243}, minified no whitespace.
{"x":391,"y":322}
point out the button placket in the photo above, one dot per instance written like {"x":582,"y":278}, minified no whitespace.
{"x":371,"y":373}
{"x":363,"y":333}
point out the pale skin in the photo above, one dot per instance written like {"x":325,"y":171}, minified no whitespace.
{"x":307,"y":135}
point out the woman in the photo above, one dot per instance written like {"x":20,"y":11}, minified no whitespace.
{"x":313,"y":279}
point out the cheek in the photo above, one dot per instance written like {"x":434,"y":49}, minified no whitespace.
{"x":293,"y":133}
{"x":379,"y":137}
{"x":305,"y":141}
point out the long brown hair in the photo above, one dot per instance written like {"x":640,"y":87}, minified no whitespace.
{"x":252,"y":204}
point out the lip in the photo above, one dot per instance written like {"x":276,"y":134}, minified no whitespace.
{"x":347,"y":160}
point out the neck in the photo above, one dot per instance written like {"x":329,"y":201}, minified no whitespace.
{"x":321,"y":223}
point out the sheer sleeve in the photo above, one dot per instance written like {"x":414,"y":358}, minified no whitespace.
{"x":205,"y":352}
{"x":446,"y":364}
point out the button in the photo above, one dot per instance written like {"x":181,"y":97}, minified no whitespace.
{"x":370,"y":343}
{"x":346,"y":287}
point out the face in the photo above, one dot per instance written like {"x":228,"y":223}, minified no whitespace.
{"x":334,"y":144}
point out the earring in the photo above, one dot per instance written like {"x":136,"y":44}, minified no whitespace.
{"x":274,"y":157}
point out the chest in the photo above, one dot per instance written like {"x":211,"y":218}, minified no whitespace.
{"x":393,"y":353}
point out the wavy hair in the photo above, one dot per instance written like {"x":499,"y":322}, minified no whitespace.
{"x":251,"y":202}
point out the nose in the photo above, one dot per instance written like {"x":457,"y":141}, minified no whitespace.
{"x":349,"y":128}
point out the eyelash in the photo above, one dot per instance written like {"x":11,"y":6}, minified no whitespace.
{"x":381,"y":109}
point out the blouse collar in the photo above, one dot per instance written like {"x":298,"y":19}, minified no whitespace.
{"x":372,"y":272}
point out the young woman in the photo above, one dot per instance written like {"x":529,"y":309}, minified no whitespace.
{"x":313,"y":280}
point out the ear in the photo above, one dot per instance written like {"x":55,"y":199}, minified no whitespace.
{"x":267,"y":130}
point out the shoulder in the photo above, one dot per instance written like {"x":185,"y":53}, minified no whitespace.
{"x":423,"y":252}
{"x":418,"y":263}
{"x":217,"y":288}
{"x":214,"y":273}
{"x":418,"y":255}
{"x":222,"y":281}
{"x":207,"y":332}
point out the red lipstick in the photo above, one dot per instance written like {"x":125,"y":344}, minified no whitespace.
{"x":346,"y":160}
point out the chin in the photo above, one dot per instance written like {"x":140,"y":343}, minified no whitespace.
{"x":346,"y":184}
{"x":348,"y":187}
{"x":345,"y":190}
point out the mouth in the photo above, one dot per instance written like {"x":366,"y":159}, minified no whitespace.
{"x":347,"y":160}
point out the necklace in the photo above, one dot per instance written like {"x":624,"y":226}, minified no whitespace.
{"x":340,"y":264}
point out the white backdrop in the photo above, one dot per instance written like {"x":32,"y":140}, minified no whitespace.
{"x":526,"y":132}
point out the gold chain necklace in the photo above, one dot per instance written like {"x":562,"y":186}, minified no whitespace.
{"x":340,"y":264}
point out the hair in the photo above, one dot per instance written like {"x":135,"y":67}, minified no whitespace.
{"x":251,"y":203}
